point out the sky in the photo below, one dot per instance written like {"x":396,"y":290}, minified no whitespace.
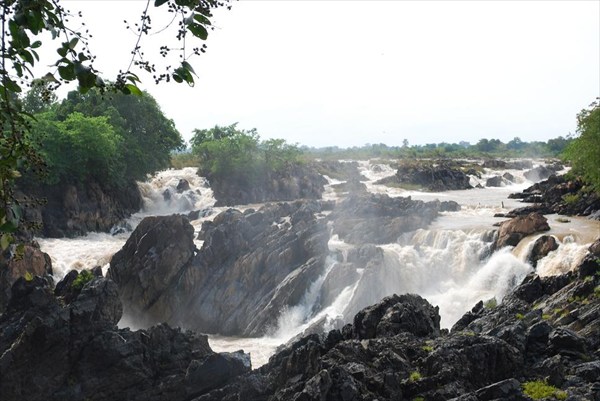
{"x":348,"y":73}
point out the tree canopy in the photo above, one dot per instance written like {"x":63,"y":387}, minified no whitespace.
{"x":584,"y":151}
{"x":25,"y":26}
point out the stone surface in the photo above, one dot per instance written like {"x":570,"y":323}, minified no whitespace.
{"x":52,"y":350}
{"x":511,"y":232}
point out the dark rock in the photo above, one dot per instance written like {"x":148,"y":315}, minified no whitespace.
{"x":150,"y":261}
{"x":380,"y":219}
{"x":433,"y":177}
{"x":294,"y":182}
{"x":449,"y":206}
{"x":511,"y":232}
{"x":182,"y":186}
{"x":541,"y":248}
{"x":538,"y":173}
{"x":73,"y":210}
{"x":55,"y":351}
{"x":396,"y":314}
{"x":495,"y":181}
{"x":33,"y":262}
{"x":509,"y":177}
{"x":566,"y":342}
{"x":509,"y":389}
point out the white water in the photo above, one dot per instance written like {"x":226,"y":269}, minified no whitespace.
{"x":445,"y":263}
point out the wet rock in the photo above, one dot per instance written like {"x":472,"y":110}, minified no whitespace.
{"x":32,"y":262}
{"x":50,"y":350}
{"x":541,"y":248}
{"x":538,"y":173}
{"x":182,"y":186}
{"x":151,"y":259}
{"x":495,"y":181}
{"x":511,"y":232}
{"x":73,"y":210}
{"x":380,"y":219}
{"x":438,"y":177}
{"x":509,"y":177}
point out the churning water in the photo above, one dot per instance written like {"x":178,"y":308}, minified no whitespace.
{"x":447,"y":263}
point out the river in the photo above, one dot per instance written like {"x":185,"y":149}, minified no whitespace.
{"x":445,"y":263}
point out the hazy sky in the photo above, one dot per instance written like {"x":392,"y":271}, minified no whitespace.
{"x":347,"y":73}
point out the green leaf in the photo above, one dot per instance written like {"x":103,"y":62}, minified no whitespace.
{"x":188,"y":67}
{"x":73,"y":42}
{"x":5,"y":241}
{"x":198,"y":30}
{"x":62,"y":51}
{"x":202,"y":19}
{"x":134,"y":90}
{"x":36,"y":44}
{"x":158,"y":3}
{"x":28,"y":276}
{"x":67,"y":72}
{"x":11,"y":85}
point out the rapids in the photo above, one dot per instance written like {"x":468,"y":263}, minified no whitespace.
{"x":448,"y":263}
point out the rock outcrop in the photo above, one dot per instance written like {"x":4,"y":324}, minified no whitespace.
{"x":250,"y":267}
{"x":511,"y":232}
{"x":295,"y":182}
{"x":73,"y":210}
{"x":548,"y":332}
{"x":32,"y":262}
{"x":254,"y":265}
{"x":559,"y":194}
{"x":541,"y":248}
{"x":380,"y":219}
{"x":52,"y":350}
{"x":432,"y":177}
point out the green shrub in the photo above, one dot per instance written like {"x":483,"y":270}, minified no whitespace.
{"x":539,"y":389}
{"x":84,"y":277}
{"x":490,"y":303}
{"x":570,"y":199}
{"x":427,"y":348}
{"x":415,"y":376}
{"x":519,"y":316}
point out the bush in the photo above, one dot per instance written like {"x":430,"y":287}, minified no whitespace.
{"x":538,"y":390}
{"x":415,"y":376}
{"x":84,"y":277}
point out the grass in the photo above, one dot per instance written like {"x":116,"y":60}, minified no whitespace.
{"x":415,"y":376}
{"x":539,"y":390}
{"x":490,"y":303}
{"x":546,"y":316}
{"x":519,"y":316}
{"x":427,"y":348}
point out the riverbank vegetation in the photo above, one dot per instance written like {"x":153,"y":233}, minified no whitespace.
{"x":111,"y":139}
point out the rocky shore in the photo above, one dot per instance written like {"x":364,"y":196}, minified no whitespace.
{"x":63,"y":344}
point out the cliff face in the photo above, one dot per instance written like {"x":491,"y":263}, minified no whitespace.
{"x":295,"y":182}
{"x":72,"y":210}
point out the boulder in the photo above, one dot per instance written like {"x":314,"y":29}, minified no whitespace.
{"x":538,"y":173}
{"x":33,"y":262}
{"x":495,"y":181}
{"x":541,"y":248}
{"x":150,"y":261}
{"x":511,"y":232}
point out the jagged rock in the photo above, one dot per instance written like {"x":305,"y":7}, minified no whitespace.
{"x":514,"y":230}
{"x":12,"y":267}
{"x":246,"y":273}
{"x":541,"y":248}
{"x":560,"y":195}
{"x":380,"y":219}
{"x":73,"y":210}
{"x":294,"y":182}
{"x":55,"y":351}
{"x":433,"y":177}
{"x":396,"y":314}
{"x":509,"y":177}
{"x":151,"y":259}
{"x":343,"y":171}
